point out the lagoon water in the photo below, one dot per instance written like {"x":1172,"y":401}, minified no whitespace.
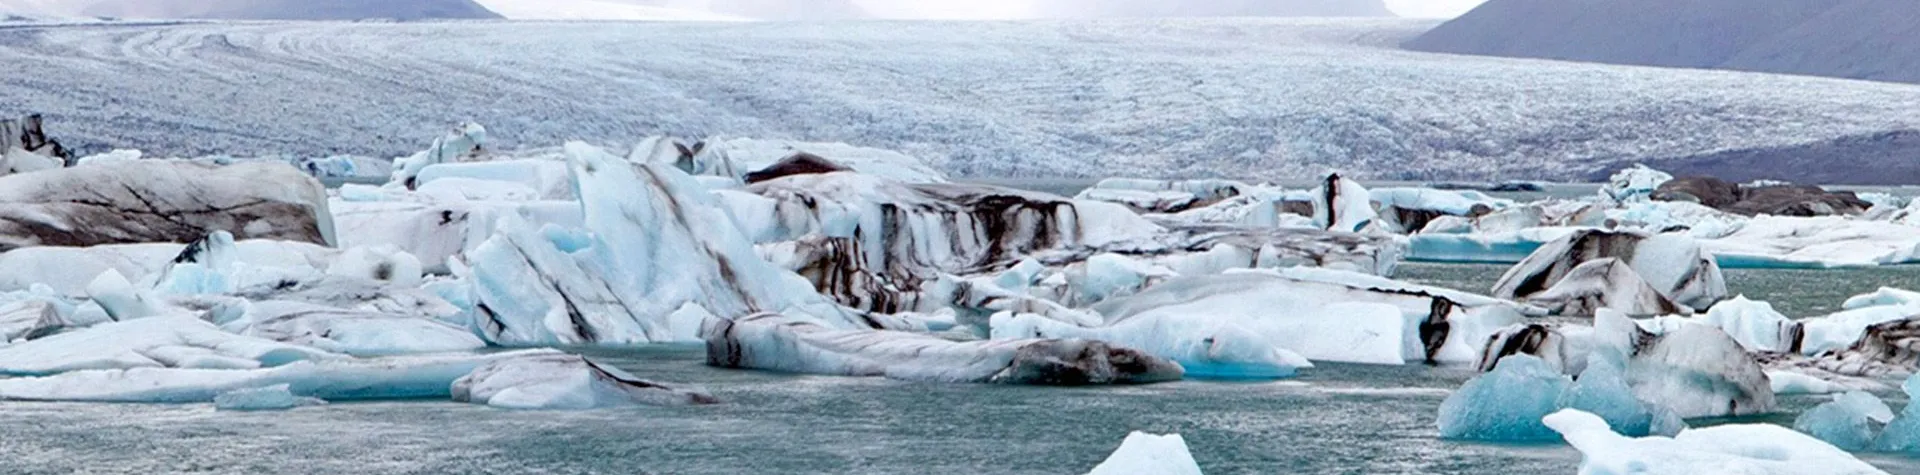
{"x":1333,"y":419}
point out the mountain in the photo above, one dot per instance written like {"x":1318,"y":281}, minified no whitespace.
{"x":1859,"y":39}
{"x":253,"y":9}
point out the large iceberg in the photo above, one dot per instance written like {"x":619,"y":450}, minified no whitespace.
{"x":1340,"y":204}
{"x":160,"y":342}
{"x":1321,"y":314}
{"x":1816,"y":242}
{"x":332,"y":379}
{"x":1903,"y":433}
{"x":801,"y":345}
{"x":1691,"y":370}
{"x":353,"y":332}
{"x":1759,"y":449}
{"x":562,"y":381}
{"x":161,"y":201}
{"x":1885,"y":349}
{"x":436,"y":232}
{"x":1603,"y":283}
{"x":654,"y":240}
{"x":1148,"y":454}
{"x":1672,"y":264}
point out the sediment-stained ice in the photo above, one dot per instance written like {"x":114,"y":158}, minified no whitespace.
{"x":802,"y":345}
{"x":1672,"y":264}
{"x":161,"y":201}
{"x":563,"y":381}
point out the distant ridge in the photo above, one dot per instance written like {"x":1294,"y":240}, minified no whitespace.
{"x":1856,"y":39}
{"x":253,"y":9}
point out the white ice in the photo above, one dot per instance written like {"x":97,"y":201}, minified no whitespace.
{"x":1148,"y":454}
{"x":333,"y":379}
{"x":1747,"y":449}
{"x":1635,"y":183}
{"x":162,"y":342}
{"x":1351,"y":208}
{"x":563,"y":381}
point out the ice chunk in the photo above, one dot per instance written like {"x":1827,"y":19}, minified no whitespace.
{"x":1885,"y":297}
{"x":563,"y":381}
{"x":456,"y":189}
{"x":438,"y":231}
{"x":29,"y":319}
{"x":464,"y":143}
{"x":1503,"y":247}
{"x":1736,"y":448}
{"x":1789,"y":382}
{"x":335,"y":379}
{"x":1148,"y":454}
{"x":1603,"y":283}
{"x":1634,"y":184}
{"x":271,"y":398}
{"x":68,"y":270}
{"x":747,"y":155}
{"x":1903,"y":434}
{"x":1816,"y":242}
{"x":1109,"y":275}
{"x":800,"y":345}
{"x":1343,"y":205}
{"x":1756,"y":325}
{"x":161,"y":342}
{"x":1602,"y":390}
{"x":1843,"y":329}
{"x":379,"y":263}
{"x":546,"y":178}
{"x":1847,"y":421}
{"x":1506,"y":404}
{"x":161,"y":201}
{"x":121,"y":300}
{"x":356,"y":333}
{"x":1206,"y":349}
{"x":1674,"y":265}
{"x":1699,"y":371}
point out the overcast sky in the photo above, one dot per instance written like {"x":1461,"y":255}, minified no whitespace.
{"x":1432,"y":8}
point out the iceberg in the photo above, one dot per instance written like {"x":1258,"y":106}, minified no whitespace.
{"x":1506,"y":404}
{"x":29,"y":319}
{"x":737,"y":156}
{"x":67,"y":271}
{"x":1148,"y":454}
{"x":1602,"y":390}
{"x":776,"y":342}
{"x":1691,"y":370}
{"x":563,"y":381}
{"x":159,"y":342}
{"x":547,"y":179}
{"x":1503,"y":247}
{"x":1815,"y":242}
{"x":1755,"y":325}
{"x":466,"y":142}
{"x":1205,"y":349}
{"x":380,"y":263}
{"x":161,"y":201}
{"x":1735,"y":448}
{"x":357,"y":333}
{"x":1792,"y":382}
{"x":436,"y":232}
{"x":1603,"y":283}
{"x":1903,"y":433}
{"x":1847,"y":421}
{"x":1885,"y":349}
{"x":272,"y":398}
{"x":334,"y":379}
{"x":1886,"y":296}
{"x":654,"y":240}
{"x":1672,"y":264}
{"x":1634,"y":184}
{"x":1342,"y":205}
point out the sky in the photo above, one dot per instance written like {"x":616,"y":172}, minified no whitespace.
{"x":1432,"y":8}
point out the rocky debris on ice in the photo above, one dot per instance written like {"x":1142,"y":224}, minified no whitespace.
{"x":1733,"y":448}
{"x":1675,"y":266}
{"x":1603,"y":283}
{"x":735,"y":158}
{"x":1884,"y":349}
{"x":776,"y":342}
{"x":1342,"y":205}
{"x":564,"y":381}
{"x":1147,"y":454}
{"x":1765,"y":199}
{"x":278,"y":397}
{"x":1163,"y":196}
{"x":801,"y":163}
{"x":1411,"y":210}
{"x":161,"y":201}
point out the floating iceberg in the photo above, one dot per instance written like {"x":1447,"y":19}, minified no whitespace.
{"x":1791,"y":382}
{"x":1503,"y":247}
{"x":653,"y":241}
{"x":1903,"y":433}
{"x":1847,"y":421}
{"x":465,"y":142}
{"x":1148,"y":454}
{"x":1674,"y":265}
{"x":1736,"y":448}
{"x":1690,"y":370}
{"x":1884,"y":349}
{"x":332,"y":379}
{"x":435,"y":232}
{"x":1342,"y":205}
{"x":161,"y":201}
{"x":1756,"y":325}
{"x":1506,"y":404}
{"x":1821,"y":242}
{"x":1602,"y":390}
{"x":29,"y":319}
{"x":160,"y":342}
{"x":272,"y":398}
{"x":358,"y":333}
{"x":68,"y":270}
{"x":1603,"y":283}
{"x":800,"y":345}
{"x":563,"y":381}
{"x":547,"y":179}
{"x":1634,"y":184}
{"x":746,"y":155}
